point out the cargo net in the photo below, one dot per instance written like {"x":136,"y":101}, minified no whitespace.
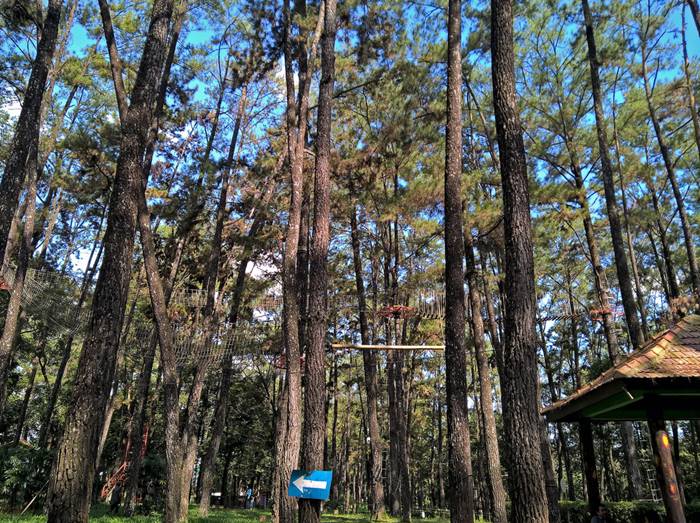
{"x":224,"y":342}
{"x":198,"y":340}
{"x":50,"y":299}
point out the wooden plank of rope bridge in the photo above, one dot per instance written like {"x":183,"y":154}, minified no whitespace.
{"x":386,"y":347}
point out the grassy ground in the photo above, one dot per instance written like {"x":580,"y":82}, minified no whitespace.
{"x":100,"y":514}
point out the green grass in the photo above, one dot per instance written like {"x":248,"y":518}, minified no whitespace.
{"x":100,"y":514}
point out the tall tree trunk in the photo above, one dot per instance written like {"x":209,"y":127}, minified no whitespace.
{"x":315,"y":392}
{"x":278,"y":489}
{"x":296,"y":119}
{"x":672,"y":178}
{"x":563,"y":440}
{"x":137,"y":429}
{"x":460,"y":467}
{"x":660,"y":266}
{"x":70,"y":484}
{"x":550,"y":481}
{"x":440,"y":455}
{"x":25,"y":141}
{"x":369,"y":360}
{"x":490,"y":437}
{"x":519,"y":374}
{"x":621,"y":263}
{"x":628,"y":232}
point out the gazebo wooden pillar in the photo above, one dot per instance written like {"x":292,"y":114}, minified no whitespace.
{"x":665,"y":467}
{"x":659,"y":382}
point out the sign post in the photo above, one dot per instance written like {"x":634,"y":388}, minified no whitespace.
{"x":313,"y":484}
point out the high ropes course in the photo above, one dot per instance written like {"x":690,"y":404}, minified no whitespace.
{"x":62,"y":305}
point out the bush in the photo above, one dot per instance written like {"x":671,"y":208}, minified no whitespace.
{"x":625,"y":512}
{"x":23,"y":474}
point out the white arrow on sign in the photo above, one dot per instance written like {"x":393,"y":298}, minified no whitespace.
{"x":301,"y":483}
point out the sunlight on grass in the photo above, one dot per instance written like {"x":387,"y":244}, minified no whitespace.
{"x":100,"y":514}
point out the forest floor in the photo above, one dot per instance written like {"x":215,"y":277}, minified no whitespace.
{"x":100,"y":514}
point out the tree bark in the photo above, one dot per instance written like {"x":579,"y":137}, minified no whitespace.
{"x":460,"y":468}
{"x":621,"y":262}
{"x":278,"y":489}
{"x":296,"y":118}
{"x":70,"y":484}
{"x":25,"y":141}
{"x":314,"y":397}
{"x":674,"y":289}
{"x":114,"y":60}
{"x":519,"y":374}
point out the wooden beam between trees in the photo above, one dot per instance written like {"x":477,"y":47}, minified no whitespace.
{"x":386,"y":347}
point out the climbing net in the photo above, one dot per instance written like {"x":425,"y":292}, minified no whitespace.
{"x":50,"y":299}
{"x":53,"y":298}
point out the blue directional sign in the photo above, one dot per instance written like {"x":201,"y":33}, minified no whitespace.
{"x":314,"y":484}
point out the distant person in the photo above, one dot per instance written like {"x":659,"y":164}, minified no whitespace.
{"x":249,"y":498}
{"x":601,"y":515}
{"x":115,"y":499}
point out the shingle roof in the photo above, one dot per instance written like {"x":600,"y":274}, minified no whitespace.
{"x":675,"y":353}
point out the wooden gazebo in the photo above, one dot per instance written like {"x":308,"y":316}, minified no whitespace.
{"x":659,"y":382}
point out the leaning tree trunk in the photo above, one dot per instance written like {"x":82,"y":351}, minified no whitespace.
{"x":689,"y":85}
{"x":621,"y":262}
{"x":25,"y":402}
{"x":71,"y":479}
{"x":461,"y":492}
{"x":493,"y":461}
{"x":519,"y":373}
{"x":12,"y":318}
{"x":219,"y":421}
{"x":672,"y":178}
{"x":314,"y":397}
{"x":693,"y":4}
{"x":25,"y":140}
{"x":600,"y":281}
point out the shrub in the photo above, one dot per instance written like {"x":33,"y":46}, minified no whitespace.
{"x":640,"y":511}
